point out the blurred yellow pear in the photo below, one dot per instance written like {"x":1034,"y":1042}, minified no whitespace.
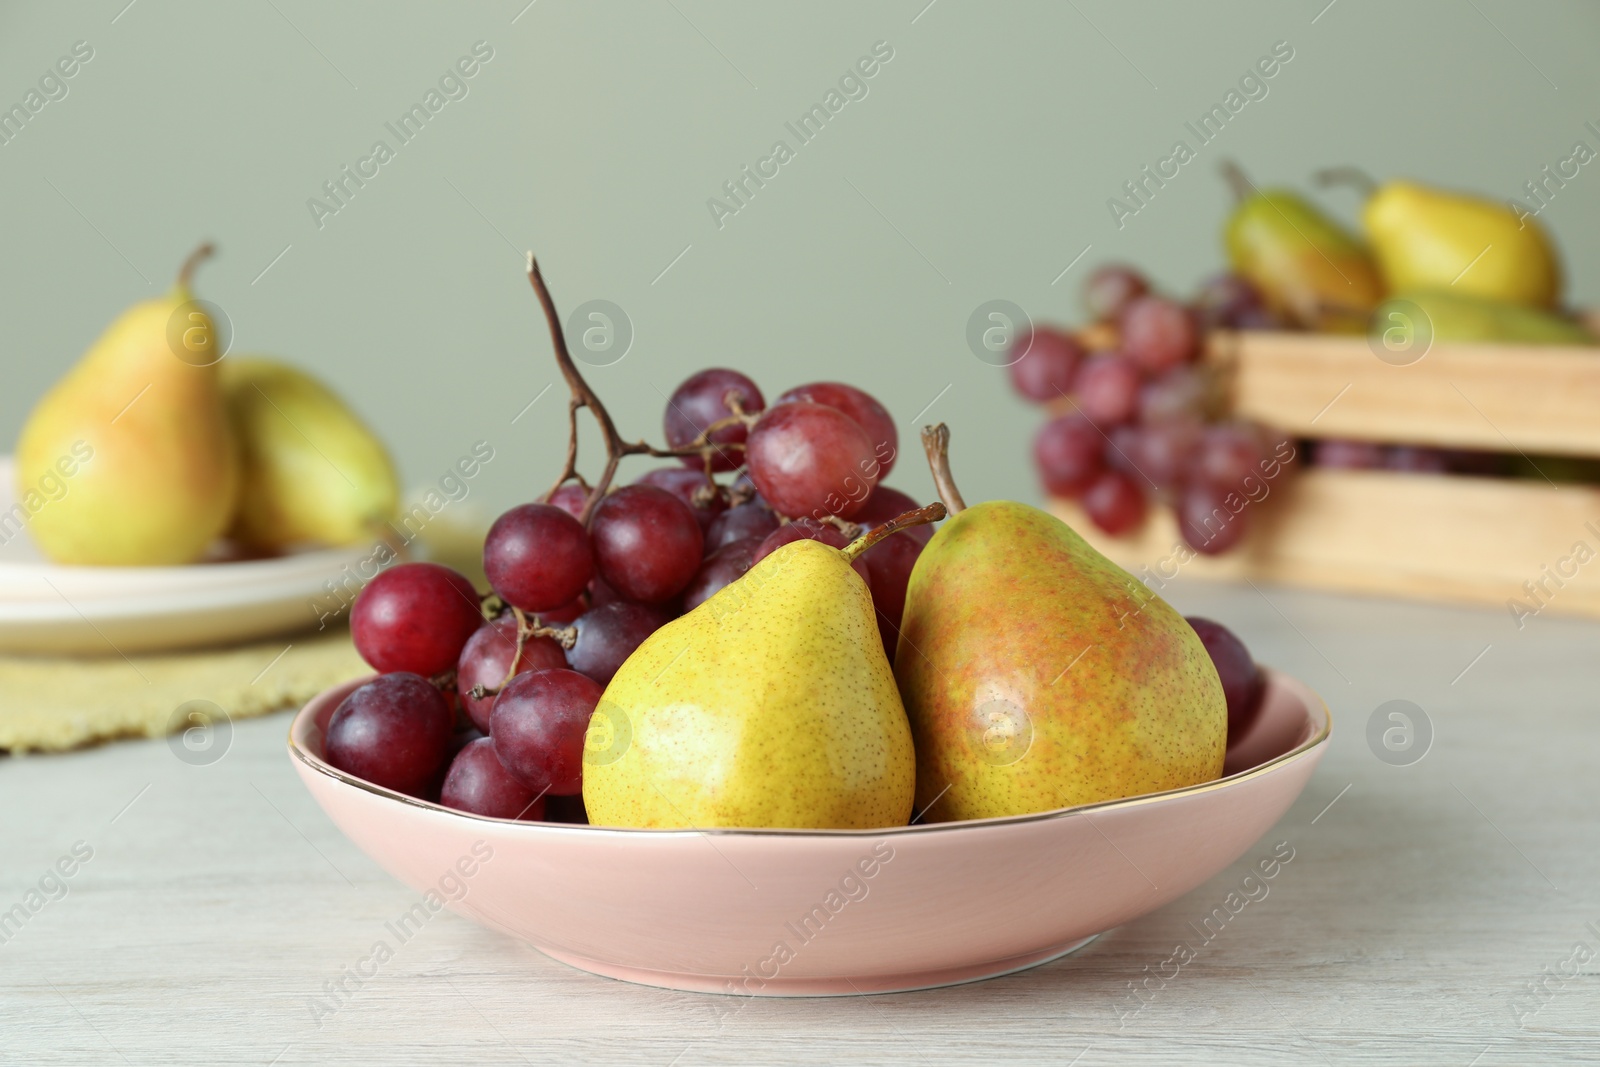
{"x":140,"y":422}
{"x":313,"y":472}
{"x":1426,"y":238}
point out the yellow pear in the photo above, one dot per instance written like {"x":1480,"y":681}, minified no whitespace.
{"x":157,"y":473}
{"x":1306,"y":265}
{"x":772,"y":704}
{"x":313,"y":471}
{"x":1428,"y":238}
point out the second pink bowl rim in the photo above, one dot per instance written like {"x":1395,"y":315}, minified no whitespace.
{"x":1314,"y":705}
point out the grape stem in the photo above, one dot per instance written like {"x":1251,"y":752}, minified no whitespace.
{"x":584,"y":397}
{"x":851,"y":530}
{"x":936,"y":443}
{"x":740,"y":494}
{"x":929,"y":513}
{"x":565,"y":636}
{"x":523,"y":630}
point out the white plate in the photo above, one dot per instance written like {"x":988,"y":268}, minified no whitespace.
{"x":47,"y":607}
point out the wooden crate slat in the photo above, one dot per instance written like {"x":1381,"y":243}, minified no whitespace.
{"x":1448,"y":537}
{"x":1501,"y":398}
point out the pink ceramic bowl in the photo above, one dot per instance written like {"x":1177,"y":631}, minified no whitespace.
{"x":808,"y":913}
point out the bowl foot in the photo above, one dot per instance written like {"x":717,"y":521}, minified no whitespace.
{"x":834,"y":986}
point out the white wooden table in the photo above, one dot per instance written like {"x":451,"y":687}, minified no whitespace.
{"x":1422,"y":904}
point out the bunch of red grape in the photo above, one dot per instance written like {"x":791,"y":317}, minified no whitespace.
{"x":1136,"y":414}
{"x":483,"y":702}
{"x":1407,"y":459}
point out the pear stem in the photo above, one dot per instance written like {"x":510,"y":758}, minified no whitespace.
{"x":1354,"y":177}
{"x":936,"y":443}
{"x":584,"y":397}
{"x":197,"y":257}
{"x":1243,"y":188}
{"x":931,"y":513}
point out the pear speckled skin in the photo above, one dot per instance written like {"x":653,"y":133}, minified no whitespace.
{"x":164,"y":474}
{"x":1038,"y":675}
{"x":770,"y":705}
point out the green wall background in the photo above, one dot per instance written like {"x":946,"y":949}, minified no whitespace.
{"x":977,"y":166}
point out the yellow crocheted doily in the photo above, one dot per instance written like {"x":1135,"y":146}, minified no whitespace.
{"x":59,"y":702}
{"x":51,"y":703}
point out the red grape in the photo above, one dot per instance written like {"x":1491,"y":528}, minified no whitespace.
{"x":1206,"y":521}
{"x":538,"y":725}
{"x":1158,"y":334}
{"x":567,"y":810}
{"x":537,"y":557}
{"x":1262,"y":318}
{"x":1107,"y":389}
{"x":702,"y":400}
{"x":394,"y":732}
{"x":1069,"y":451}
{"x":1417,"y":460}
{"x":1115,"y":503}
{"x":601,"y":594}
{"x":743,"y":485}
{"x":460,"y":739}
{"x":415,"y":617}
{"x":1225,"y":301}
{"x":1045,"y":361}
{"x":479,"y":783}
{"x":812,"y":530}
{"x":1111,"y":288}
{"x":607,"y":635}
{"x":565,"y":613}
{"x":1164,"y":453}
{"x":750,"y":519}
{"x":809,"y":459}
{"x":1347,"y":455}
{"x":570,"y":497}
{"x":863,"y":409}
{"x":487,"y":658}
{"x":1468,"y":461}
{"x":1122,"y":449}
{"x":723,"y":567}
{"x":1229,"y":452}
{"x":1241,"y":678}
{"x":1182,"y":393}
{"x":885,"y":504}
{"x":890,"y":562}
{"x":647,"y":543}
{"x":705,"y":498}
{"x":1281,"y":449}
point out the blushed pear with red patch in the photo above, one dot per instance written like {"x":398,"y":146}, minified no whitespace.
{"x":1037,"y":674}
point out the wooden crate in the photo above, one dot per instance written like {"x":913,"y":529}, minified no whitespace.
{"x":1500,"y":398}
{"x":1524,"y":546}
